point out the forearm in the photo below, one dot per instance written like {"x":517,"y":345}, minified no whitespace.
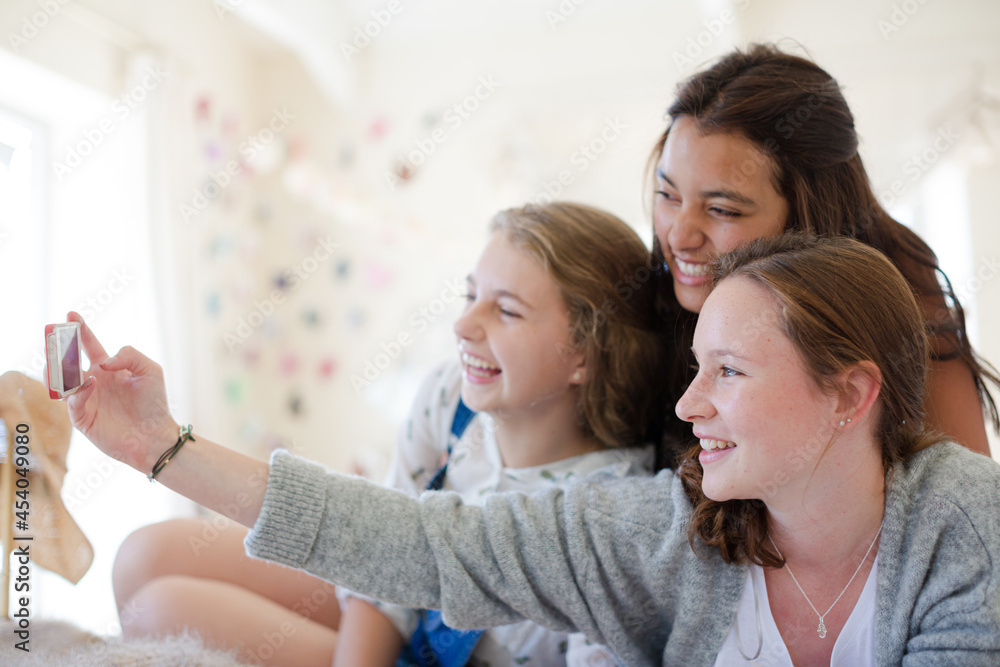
{"x":366,"y":637}
{"x":215,"y":477}
{"x":434,"y":553}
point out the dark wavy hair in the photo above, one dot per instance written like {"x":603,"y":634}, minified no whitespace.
{"x":795,"y":112}
{"x":608,"y":284}
{"x":840,"y":302}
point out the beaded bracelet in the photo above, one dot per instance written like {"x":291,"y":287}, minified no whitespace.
{"x":183,"y":435}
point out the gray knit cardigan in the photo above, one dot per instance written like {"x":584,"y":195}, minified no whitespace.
{"x":611,"y":558}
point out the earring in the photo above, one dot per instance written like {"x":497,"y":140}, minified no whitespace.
{"x":577,"y":376}
{"x":842,"y":422}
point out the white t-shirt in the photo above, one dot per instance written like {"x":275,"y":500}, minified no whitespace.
{"x":855,"y":646}
{"x":474,"y":471}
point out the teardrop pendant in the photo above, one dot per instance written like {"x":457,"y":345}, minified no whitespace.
{"x":821,"y":630}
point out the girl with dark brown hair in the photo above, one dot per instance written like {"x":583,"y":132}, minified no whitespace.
{"x":763,"y":143}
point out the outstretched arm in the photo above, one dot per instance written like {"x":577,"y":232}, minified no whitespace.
{"x":584,"y":558}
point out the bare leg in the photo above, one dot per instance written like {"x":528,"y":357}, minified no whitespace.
{"x":213,"y":550}
{"x":228,"y":616}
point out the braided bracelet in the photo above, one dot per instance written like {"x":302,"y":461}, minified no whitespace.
{"x":183,"y":435}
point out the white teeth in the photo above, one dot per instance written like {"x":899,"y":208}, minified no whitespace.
{"x":693,"y":270}
{"x":709,"y":444}
{"x":476,"y":362}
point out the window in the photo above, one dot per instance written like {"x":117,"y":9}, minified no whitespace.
{"x":78,"y":240}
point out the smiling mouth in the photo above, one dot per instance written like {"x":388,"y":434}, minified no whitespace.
{"x":692,"y":270}
{"x":709,"y":444}
{"x":478,"y":367}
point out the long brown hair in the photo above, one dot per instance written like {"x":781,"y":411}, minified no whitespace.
{"x":607,"y":281}
{"x":795,"y":113}
{"x":840,"y":302}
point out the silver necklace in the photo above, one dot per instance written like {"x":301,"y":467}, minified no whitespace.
{"x":821,"y":630}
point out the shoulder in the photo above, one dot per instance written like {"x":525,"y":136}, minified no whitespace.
{"x":947,"y":488}
{"x":940,"y":543}
{"x":951,"y":471}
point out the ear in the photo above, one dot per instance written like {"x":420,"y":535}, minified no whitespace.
{"x":859,"y":389}
{"x":575,"y":357}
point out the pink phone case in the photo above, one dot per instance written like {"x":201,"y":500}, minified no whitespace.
{"x":52,"y":353}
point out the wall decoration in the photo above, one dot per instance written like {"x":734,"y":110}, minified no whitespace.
{"x":327,"y":367}
{"x":378,"y":275}
{"x":311,"y":317}
{"x":219,"y":246}
{"x":403,"y":171}
{"x":212,"y":304}
{"x":203,"y":108}
{"x":355,"y":319}
{"x":251,"y":357}
{"x":378,"y":128}
{"x":234,"y":390}
{"x":213,"y":151}
{"x":289,"y":364}
{"x":343,"y":269}
{"x":281,"y":281}
{"x":295,"y":404}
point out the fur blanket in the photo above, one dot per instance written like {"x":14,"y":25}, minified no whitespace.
{"x":54,"y":643}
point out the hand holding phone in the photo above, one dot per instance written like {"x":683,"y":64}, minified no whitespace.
{"x":64,"y":367}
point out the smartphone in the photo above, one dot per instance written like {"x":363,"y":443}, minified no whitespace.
{"x":64,"y":367}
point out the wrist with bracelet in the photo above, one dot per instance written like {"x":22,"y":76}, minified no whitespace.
{"x":183,"y":435}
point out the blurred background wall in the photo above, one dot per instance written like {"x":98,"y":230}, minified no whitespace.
{"x":265,"y":196}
